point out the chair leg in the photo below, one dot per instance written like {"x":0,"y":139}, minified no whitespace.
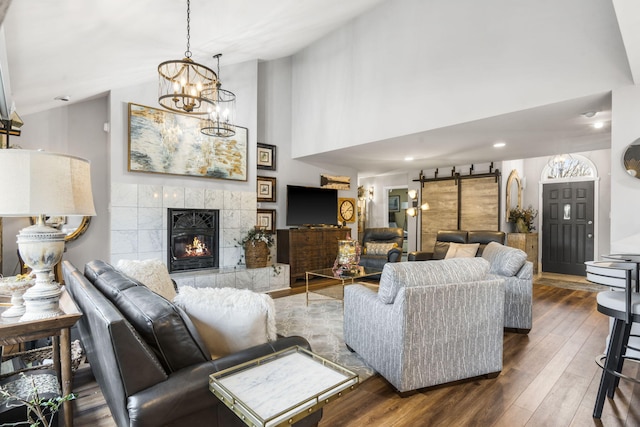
{"x":623,"y":349}
{"x":611,"y":362}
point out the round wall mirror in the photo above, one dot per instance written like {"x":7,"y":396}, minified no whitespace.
{"x":73,"y":226}
{"x":514,"y":193}
{"x":631,"y":159}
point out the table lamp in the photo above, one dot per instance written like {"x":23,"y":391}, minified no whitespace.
{"x":35,"y":184}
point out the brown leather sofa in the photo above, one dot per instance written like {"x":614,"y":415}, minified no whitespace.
{"x":381,"y":235}
{"x":147,"y":356}
{"x":443,"y":238}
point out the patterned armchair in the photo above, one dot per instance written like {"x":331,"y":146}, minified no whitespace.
{"x":429,"y":323}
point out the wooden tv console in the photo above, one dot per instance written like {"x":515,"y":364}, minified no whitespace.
{"x":306,"y":249}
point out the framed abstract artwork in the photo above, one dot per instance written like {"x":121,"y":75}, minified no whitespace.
{"x":266,"y":219}
{"x":169,"y":143}
{"x":266,"y":158}
{"x":266,"y":189}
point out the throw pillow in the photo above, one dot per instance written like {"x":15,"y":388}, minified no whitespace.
{"x":150,"y":272}
{"x":373,"y":248}
{"x":504,"y":260}
{"x":229,"y":319}
{"x":460,"y":250}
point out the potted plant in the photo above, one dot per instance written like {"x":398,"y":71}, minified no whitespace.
{"x":523,"y":218}
{"x":256,"y":244}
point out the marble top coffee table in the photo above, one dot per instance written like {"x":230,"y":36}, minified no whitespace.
{"x":281,"y":388}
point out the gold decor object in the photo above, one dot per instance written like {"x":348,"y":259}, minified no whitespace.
{"x":185,"y":86}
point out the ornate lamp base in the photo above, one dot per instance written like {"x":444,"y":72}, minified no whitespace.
{"x":41,"y":248}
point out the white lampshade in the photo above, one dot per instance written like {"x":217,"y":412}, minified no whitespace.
{"x":37,"y":182}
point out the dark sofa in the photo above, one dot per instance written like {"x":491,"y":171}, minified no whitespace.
{"x":444,"y":237}
{"x":147,"y":356}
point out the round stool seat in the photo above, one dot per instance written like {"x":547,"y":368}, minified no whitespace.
{"x":610,"y":302}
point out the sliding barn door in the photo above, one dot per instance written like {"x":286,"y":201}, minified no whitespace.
{"x":468,"y":203}
{"x":442,"y":197}
{"x":479,"y":204}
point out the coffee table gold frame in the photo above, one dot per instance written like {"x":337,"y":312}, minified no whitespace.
{"x":263,"y":382}
{"x":343,"y":279}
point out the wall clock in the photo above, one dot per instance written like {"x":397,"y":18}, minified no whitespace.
{"x":346,"y":210}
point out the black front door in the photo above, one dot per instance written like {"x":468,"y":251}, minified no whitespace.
{"x":567,"y":227}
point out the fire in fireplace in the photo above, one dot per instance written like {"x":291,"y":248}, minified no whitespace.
{"x":193,"y":239}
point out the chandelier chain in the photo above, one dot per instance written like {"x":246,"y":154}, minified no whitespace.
{"x":187,"y":53}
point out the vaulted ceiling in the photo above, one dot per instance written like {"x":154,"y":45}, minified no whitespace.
{"x":82,"y":49}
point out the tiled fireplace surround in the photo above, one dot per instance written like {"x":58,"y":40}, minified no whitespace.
{"x":139,"y":231}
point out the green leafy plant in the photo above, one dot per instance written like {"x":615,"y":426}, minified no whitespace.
{"x":524,"y":216}
{"x":257,"y":234}
{"x":40,"y":411}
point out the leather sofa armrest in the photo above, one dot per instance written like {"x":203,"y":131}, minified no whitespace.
{"x":394,"y":255}
{"x":259,"y":351}
{"x":420,"y":256}
{"x":186,"y":391}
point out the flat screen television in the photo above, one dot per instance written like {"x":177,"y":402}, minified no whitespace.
{"x":311,"y":206}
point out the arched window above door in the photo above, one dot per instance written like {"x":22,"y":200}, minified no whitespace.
{"x":568,"y":166}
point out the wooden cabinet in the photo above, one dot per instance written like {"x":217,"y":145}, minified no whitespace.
{"x":527,"y":242}
{"x":306,"y":249}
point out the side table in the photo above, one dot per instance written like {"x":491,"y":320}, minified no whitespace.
{"x":13,"y":331}
{"x":281,"y":388}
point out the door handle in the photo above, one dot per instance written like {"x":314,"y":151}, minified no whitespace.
{"x":589,"y":235}
{"x":589,"y":222}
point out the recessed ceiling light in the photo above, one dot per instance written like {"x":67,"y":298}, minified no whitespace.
{"x":408,"y":159}
{"x":598,"y":125}
{"x":499,"y":144}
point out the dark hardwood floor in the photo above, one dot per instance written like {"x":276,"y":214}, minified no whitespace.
{"x":549,"y":378}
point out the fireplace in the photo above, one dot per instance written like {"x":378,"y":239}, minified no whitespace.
{"x":192,"y":239}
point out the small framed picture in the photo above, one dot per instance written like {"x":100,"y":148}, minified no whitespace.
{"x":266,"y":189}
{"x":266,"y":156}
{"x":266,"y":219}
{"x":394,"y":203}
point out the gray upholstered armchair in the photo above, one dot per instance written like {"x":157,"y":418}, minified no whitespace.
{"x":429,"y":323}
{"x":378,"y":247}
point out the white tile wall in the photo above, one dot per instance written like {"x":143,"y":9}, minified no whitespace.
{"x":139,"y":231}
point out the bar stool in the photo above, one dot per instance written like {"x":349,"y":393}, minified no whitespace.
{"x":623,"y":306}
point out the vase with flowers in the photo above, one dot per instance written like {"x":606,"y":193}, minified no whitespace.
{"x":256,"y":244}
{"x":523,"y":218}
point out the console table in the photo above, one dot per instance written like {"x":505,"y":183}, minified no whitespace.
{"x":281,"y":388}
{"x":13,"y":331}
{"x":527,"y":242}
{"x":306,"y":249}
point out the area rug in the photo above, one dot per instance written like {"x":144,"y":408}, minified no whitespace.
{"x":321,"y":324}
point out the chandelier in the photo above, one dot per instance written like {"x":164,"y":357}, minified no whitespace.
{"x":221,"y":114}
{"x":184,"y":85}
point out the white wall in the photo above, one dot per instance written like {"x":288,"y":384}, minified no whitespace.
{"x":274,"y":127}
{"x":387,"y":74}
{"x":77,"y":130}
{"x":625,"y":190}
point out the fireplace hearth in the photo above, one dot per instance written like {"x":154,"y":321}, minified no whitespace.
{"x":193,"y":237}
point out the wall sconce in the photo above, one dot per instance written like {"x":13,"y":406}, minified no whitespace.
{"x":370,"y":193}
{"x":413,"y":210}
